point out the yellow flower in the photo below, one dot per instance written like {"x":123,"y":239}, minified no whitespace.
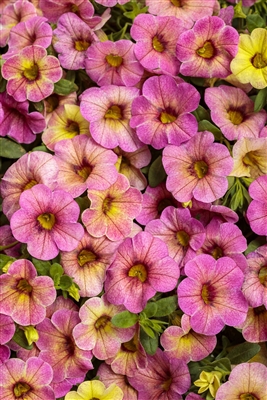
{"x":250,"y":63}
{"x":31,"y":334}
{"x":208,"y":381}
{"x":89,"y":390}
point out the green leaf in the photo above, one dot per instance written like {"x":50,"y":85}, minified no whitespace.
{"x":150,"y":309}
{"x":254,"y":244}
{"x":239,"y":11}
{"x":20,"y":339}
{"x":255,"y":21}
{"x":42,"y":267}
{"x":150,"y":344}
{"x":208,"y":126}
{"x":65,"y":87}
{"x":148,"y":330}
{"x":42,"y":148}
{"x":124,"y":319}
{"x":201,"y":114}
{"x":156,"y":173}
{"x":4,"y":259}
{"x":243,"y":352}
{"x":56,"y":269}
{"x":166,"y":306}
{"x":261,"y":100}
{"x":10,"y":149}
{"x":65,"y":282}
{"x":39,"y":106}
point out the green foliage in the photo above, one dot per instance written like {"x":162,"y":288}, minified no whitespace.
{"x":4,"y":260}
{"x":260,"y":100}
{"x":125,"y":319}
{"x":150,"y":344}
{"x":243,"y":352}
{"x":156,"y":173}
{"x":254,"y":21}
{"x":254,"y":244}
{"x":201,"y":114}
{"x":10,"y":149}
{"x":20,"y":338}
{"x":65,"y":87}
{"x":42,"y":267}
{"x":205,"y":125}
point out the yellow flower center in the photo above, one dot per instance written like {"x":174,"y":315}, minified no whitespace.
{"x":257,"y":160}
{"x":263,"y":276}
{"x":207,"y":51}
{"x":24,"y":286}
{"x":207,"y":293}
{"x":157,"y":45}
{"x":259,"y":61}
{"x":72,"y":127}
{"x":52,"y":102}
{"x":103,"y":322}
{"x":235,"y":116}
{"x":201,"y":169}
{"x":86,"y":256}
{"x":182,"y":238}
{"x":114,"y":60}
{"x":131,"y":345}
{"x":138,"y":271}
{"x":166,"y":385}
{"x":20,"y":389}
{"x":84,"y":172}
{"x":81,"y":45}
{"x":74,"y":8}
{"x":167,"y":118}
{"x":217,"y":253}
{"x":107,"y":204}
{"x":30,"y":184}
{"x":114,"y":112}
{"x":248,"y":396}
{"x":176,"y":3}
{"x":31,"y":73}
{"x":47,"y":221}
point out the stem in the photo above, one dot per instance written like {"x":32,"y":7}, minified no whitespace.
{"x":8,"y":246}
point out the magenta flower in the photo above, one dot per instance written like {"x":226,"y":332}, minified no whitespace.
{"x":24,"y":295}
{"x":164,"y":378}
{"x":30,"y":379}
{"x":53,"y":9}
{"x":211,"y":294}
{"x":233,"y":111}
{"x":257,"y":209}
{"x":205,"y":212}
{"x":83,"y":164}
{"x":108,"y":109}
{"x":156,"y":39}
{"x":113,"y":210}
{"x":162,"y":114}
{"x":247,"y":380}
{"x":7,"y":328}
{"x":254,"y":328}
{"x":27,"y":171}
{"x":16,"y":121}
{"x":141,"y":268}
{"x":113,"y":63}
{"x":8,"y":239}
{"x":72,"y":39}
{"x":31,"y":74}
{"x":197,"y":169}
{"x":111,"y":3}
{"x":47,"y":222}
{"x":207,"y":49}
{"x":4,"y":354}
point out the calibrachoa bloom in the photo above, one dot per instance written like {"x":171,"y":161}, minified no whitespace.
{"x":31,"y":74}
{"x":47,"y":222}
{"x":7,"y":239}
{"x":257,"y":209}
{"x":250,"y":63}
{"x":24,"y":295}
{"x":7,"y":328}
{"x":53,"y":9}
{"x":205,"y":212}
{"x":141,"y":267}
{"x":209,"y":381}
{"x":96,"y":331}
{"x":161,"y":115}
{"x":89,"y":390}
{"x":233,"y":111}
{"x":112,"y":211}
{"x":4,"y":354}
{"x":246,"y":381}
{"x":211,"y":294}
{"x":197,"y":169}
{"x":254,"y":328}
{"x":26,"y":380}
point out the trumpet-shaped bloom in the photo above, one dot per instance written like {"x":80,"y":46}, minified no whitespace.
{"x":207,"y":49}
{"x":47,"y":222}
{"x":72,"y":39}
{"x":53,"y":9}
{"x":205,"y":212}
{"x":211,"y":294}
{"x":108,"y":109}
{"x":89,"y":390}
{"x":257,"y":209}
{"x":197,"y":169}
{"x":16,"y":121}
{"x":250,"y":63}
{"x":24,"y":295}
{"x":30,"y":379}
{"x":83,"y":164}
{"x":113,"y":63}
{"x":31,"y":74}
{"x":161,"y":115}
{"x":233,"y":111}
{"x":254,"y":328}
{"x":7,"y":328}
{"x":96,"y":331}
{"x":156,"y":39}
{"x":141,"y":268}
{"x":246,"y":381}
{"x":113,"y":210}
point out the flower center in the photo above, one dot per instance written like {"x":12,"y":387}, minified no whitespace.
{"x":114,"y":60}
{"x":248,"y":396}
{"x":84,"y":171}
{"x":30,"y":184}
{"x":217,"y":253}
{"x":138,"y":271}
{"x":81,"y":45}
{"x":163,"y":204}
{"x":263,"y":276}
{"x":176,"y":3}
{"x":131,"y":345}
{"x":114,"y":112}
{"x":207,"y":51}
{"x":256,"y":159}
{"x":167,"y":118}
{"x":259,"y":310}
{"x":166,"y":385}
{"x":259,"y":61}
{"x":201,"y":169}
{"x":53,"y":102}
{"x":107,"y":204}
{"x":69,"y":345}
{"x":47,"y":220}
{"x":86,"y":256}
{"x":235,"y":116}
{"x":31,"y":73}
{"x":182,"y":238}
{"x":24,"y":286}
{"x":72,"y":127}
{"x":157,"y":45}
{"x":74,"y":8}
{"x":207,"y":293}
{"x":103,"y":322}
{"x":20,"y":389}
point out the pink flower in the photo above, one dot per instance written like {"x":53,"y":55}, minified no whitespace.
{"x":254,"y":328}
{"x":8,"y":239}
{"x":53,"y":9}
{"x":205,"y":212}
{"x":197,"y":169}
{"x":31,"y":74}
{"x":257,"y":209}
{"x":141,"y":268}
{"x":211,"y":294}
{"x":7,"y":328}
{"x":47,"y":222}
{"x":107,"y":376}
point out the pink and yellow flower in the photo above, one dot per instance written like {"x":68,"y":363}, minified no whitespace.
{"x":53,"y":9}
{"x":7,"y":328}
{"x":254,"y":328}
{"x":31,"y":74}
{"x":89,"y":390}
{"x":257,"y":209}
